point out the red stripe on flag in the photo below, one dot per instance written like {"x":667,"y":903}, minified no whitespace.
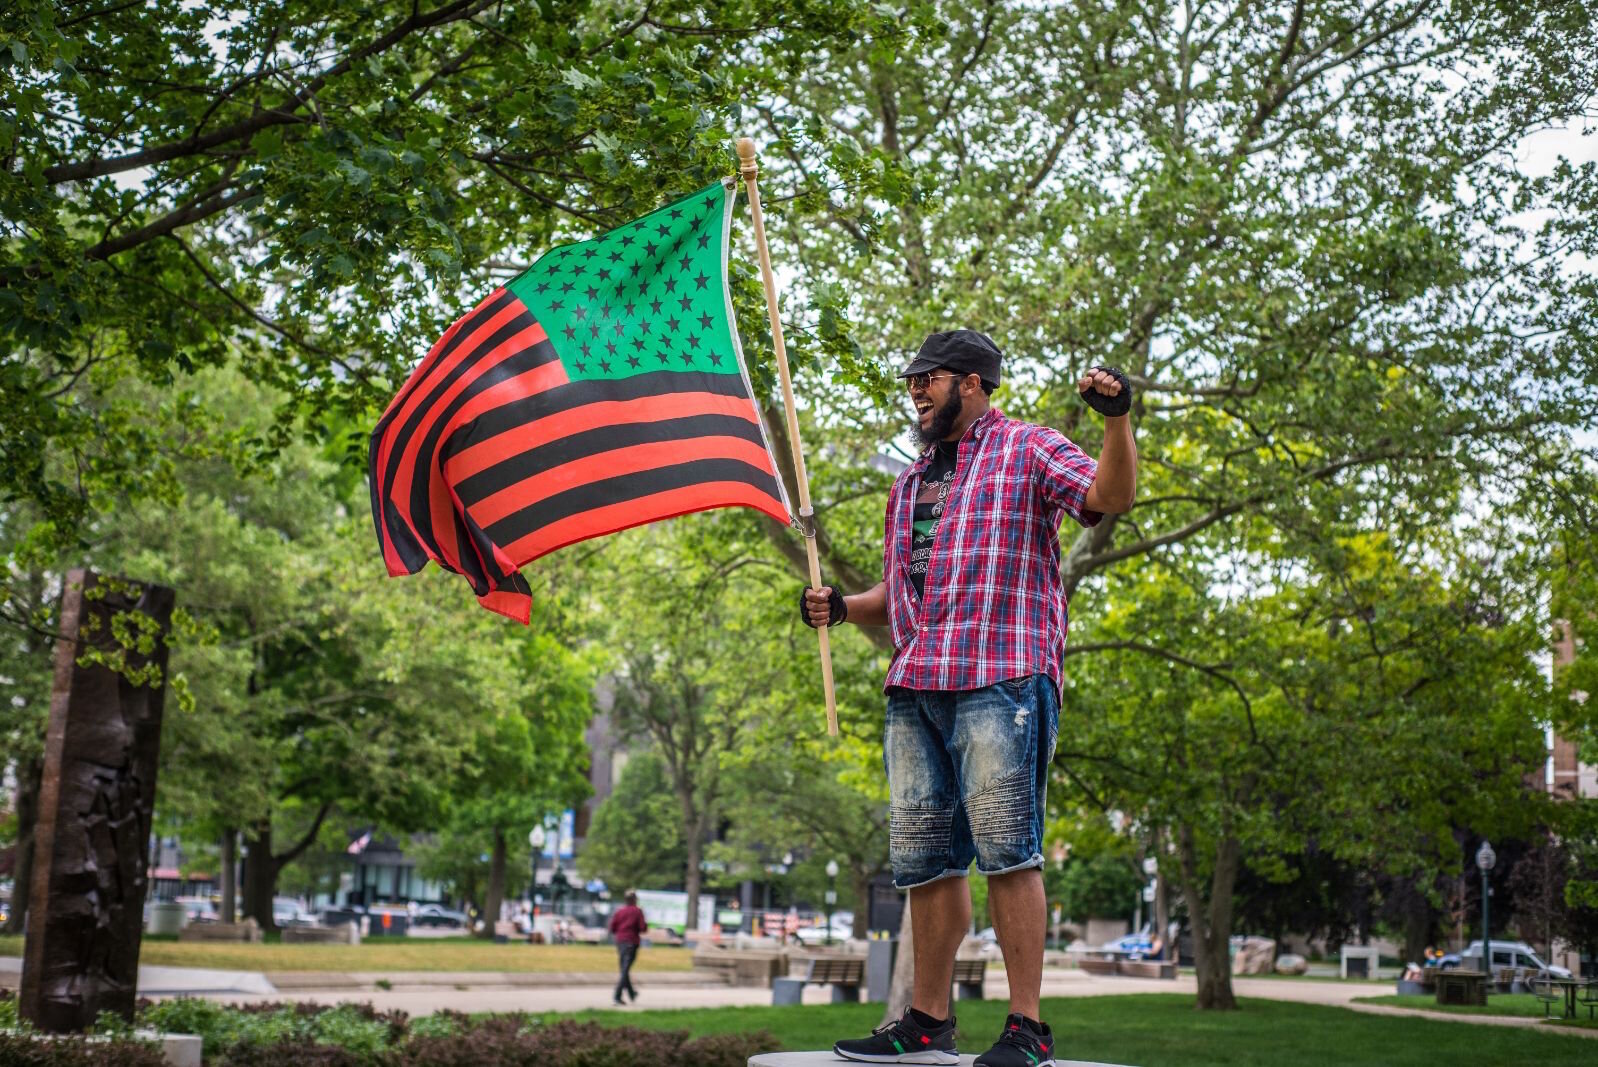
{"x":497,"y":449}
{"x":405,"y":401}
{"x":439,"y":502}
{"x":625,"y":514}
{"x":526,"y":384}
{"x":601,"y":465}
{"x":419,"y":372}
{"x":512,"y":605}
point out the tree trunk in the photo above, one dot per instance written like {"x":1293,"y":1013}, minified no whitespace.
{"x":1417,"y":921}
{"x":902,"y":988}
{"x":693,"y":878}
{"x":860,"y":884}
{"x":495,"y":898}
{"x":1212,"y":923}
{"x":230,"y":875}
{"x":27,"y":807}
{"x":260,"y":874}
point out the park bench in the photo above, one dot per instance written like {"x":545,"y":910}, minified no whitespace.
{"x":1589,"y":996}
{"x":1545,"y":990}
{"x":968,"y":975}
{"x":1097,"y":966}
{"x":343,"y":934}
{"x":843,"y":973}
{"x":246,"y":931}
{"x":1146,"y":969}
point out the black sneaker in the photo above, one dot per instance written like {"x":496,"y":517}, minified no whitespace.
{"x":903,"y":1041}
{"x":1020,"y":1046}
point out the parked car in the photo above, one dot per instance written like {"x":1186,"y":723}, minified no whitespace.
{"x":198,"y":909}
{"x":842,"y":930}
{"x":1513,"y":954}
{"x":439,"y":916}
{"x":287,"y":911}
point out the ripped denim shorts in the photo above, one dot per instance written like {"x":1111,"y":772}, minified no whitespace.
{"x":967,"y":776}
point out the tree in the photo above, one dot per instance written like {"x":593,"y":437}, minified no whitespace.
{"x":711,"y":661}
{"x":523,"y":763}
{"x":1324,"y":710}
{"x":316,"y":685}
{"x":1294,"y":226}
{"x":293,"y":187}
{"x":1102,"y":886}
{"x":821,"y":801}
{"x":636,"y":837}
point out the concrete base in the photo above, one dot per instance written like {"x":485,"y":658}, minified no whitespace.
{"x":827,"y":1059}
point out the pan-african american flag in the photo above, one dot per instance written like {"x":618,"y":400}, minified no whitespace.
{"x":602,"y":388}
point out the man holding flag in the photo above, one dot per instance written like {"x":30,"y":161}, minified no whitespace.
{"x":973,"y":597}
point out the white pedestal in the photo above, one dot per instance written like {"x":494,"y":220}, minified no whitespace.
{"x":1368,"y":953}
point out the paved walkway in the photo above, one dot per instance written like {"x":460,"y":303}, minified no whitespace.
{"x":422,"y":993}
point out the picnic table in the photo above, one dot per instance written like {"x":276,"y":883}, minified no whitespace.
{"x":1551,"y":990}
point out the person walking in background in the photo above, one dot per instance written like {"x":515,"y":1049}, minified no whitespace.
{"x":627,"y":926}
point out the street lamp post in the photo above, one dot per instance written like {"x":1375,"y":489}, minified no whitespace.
{"x":832,"y":895}
{"x":535,"y":841}
{"x":1486,"y":859}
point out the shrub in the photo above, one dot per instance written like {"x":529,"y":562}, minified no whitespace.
{"x":295,"y":1053}
{"x":513,"y":1041}
{"x":26,"y":1050}
{"x":358,"y":1029}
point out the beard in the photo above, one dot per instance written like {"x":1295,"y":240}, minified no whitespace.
{"x":944,"y":416}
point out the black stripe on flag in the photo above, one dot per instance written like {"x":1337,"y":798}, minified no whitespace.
{"x":601,"y":439}
{"x":523,"y":415}
{"x":606,"y":491}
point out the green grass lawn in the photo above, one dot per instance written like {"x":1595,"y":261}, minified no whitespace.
{"x":400,"y":954}
{"x":1497,"y":1004}
{"x":1163,"y":1030}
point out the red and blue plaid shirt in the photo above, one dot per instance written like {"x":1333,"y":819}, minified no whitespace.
{"x":994,"y":606}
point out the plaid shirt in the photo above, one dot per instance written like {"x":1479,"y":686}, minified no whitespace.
{"x":994,"y":606}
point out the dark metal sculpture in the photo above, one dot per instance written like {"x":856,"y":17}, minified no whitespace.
{"x":91,"y":851}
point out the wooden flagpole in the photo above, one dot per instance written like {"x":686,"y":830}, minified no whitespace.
{"x":807,"y":515}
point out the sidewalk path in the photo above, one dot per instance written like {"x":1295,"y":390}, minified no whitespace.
{"x":424,"y":992}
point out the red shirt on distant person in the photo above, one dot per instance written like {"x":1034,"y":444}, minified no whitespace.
{"x":627,"y":924}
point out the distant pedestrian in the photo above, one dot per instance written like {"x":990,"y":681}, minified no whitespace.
{"x":627,"y":926}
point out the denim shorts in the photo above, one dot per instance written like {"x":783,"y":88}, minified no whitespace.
{"x":967,"y":776}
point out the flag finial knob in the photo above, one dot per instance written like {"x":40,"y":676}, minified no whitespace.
{"x":746,"y":157}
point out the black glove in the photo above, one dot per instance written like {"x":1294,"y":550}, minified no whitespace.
{"x":1119,"y":404}
{"x":837,"y":610}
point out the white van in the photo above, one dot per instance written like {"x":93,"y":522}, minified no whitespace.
{"x":1512,"y":954}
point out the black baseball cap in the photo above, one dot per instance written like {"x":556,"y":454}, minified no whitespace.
{"x":965,"y":351}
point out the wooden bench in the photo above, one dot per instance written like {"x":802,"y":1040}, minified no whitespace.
{"x":1146,"y":969}
{"x":968,"y":975}
{"x":1097,"y":966}
{"x":1589,"y":996}
{"x":843,"y":973}
{"x":247,"y":931}
{"x":344,"y":934}
{"x":1550,"y":994}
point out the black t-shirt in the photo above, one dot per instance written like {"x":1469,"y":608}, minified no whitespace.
{"x":936,"y":481}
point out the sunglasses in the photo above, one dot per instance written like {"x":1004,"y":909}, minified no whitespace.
{"x":919,"y":383}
